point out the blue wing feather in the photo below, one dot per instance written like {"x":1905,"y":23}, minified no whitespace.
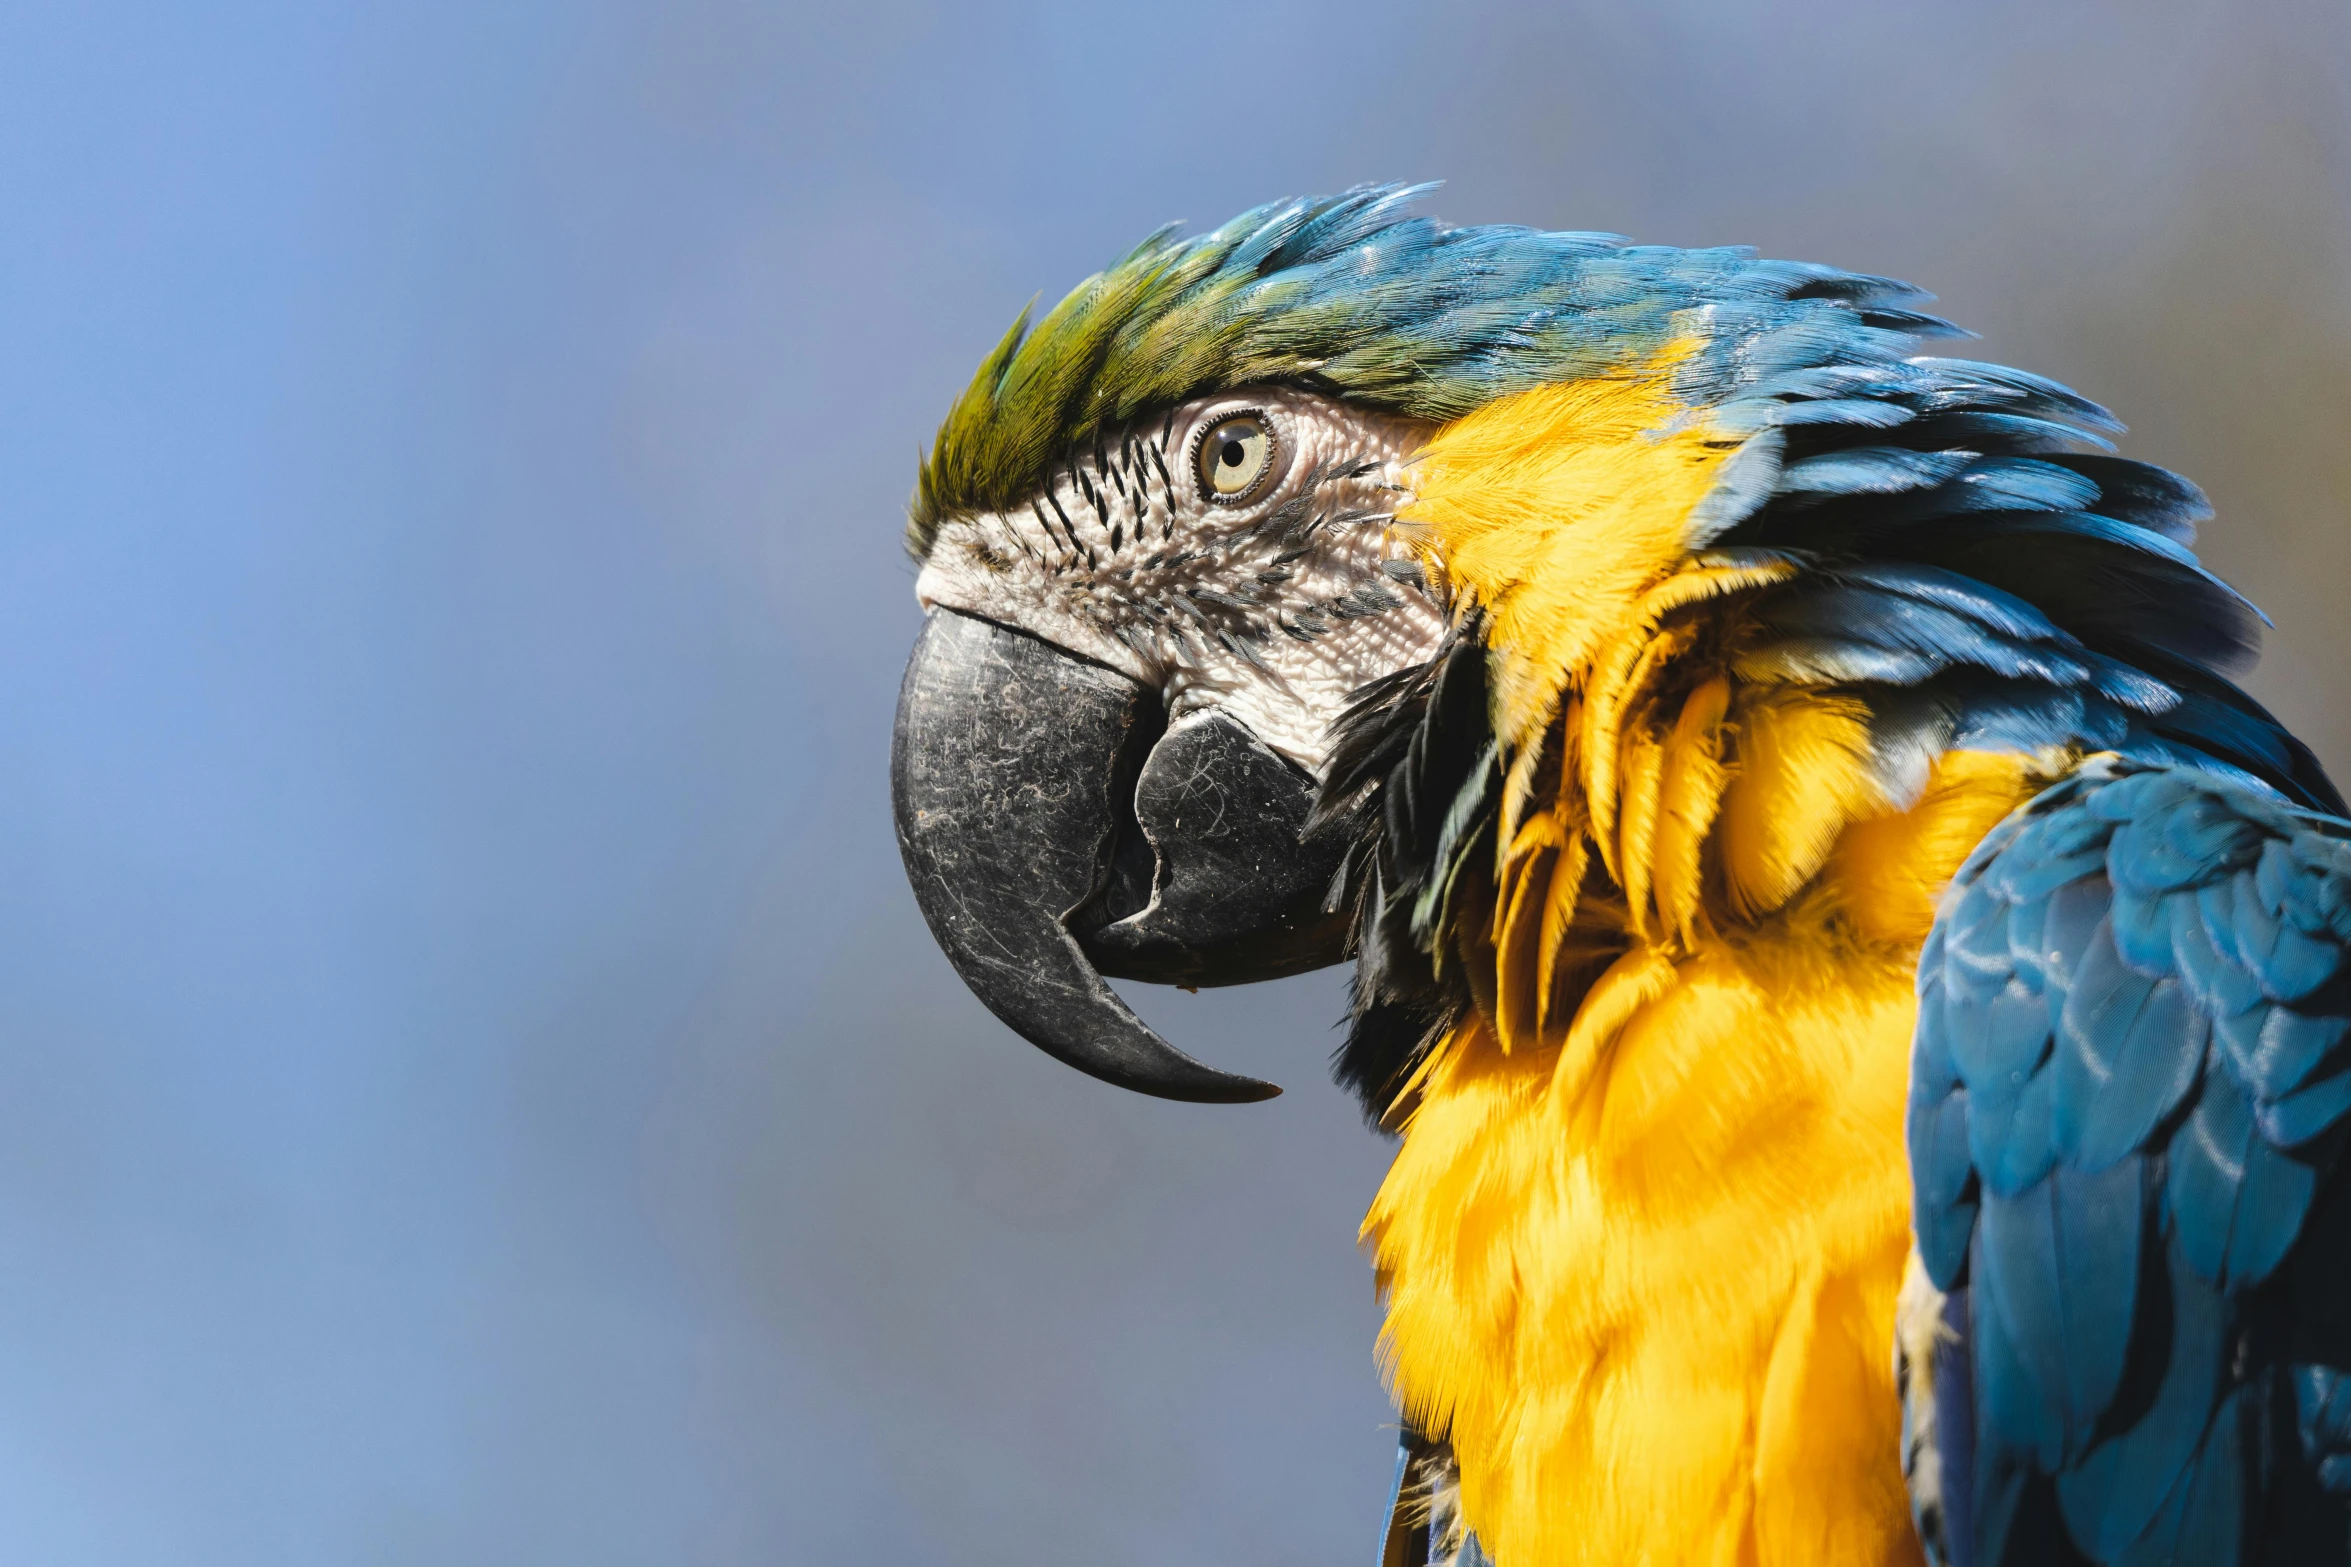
{"x":2155,"y":498}
{"x":2111,"y":1500}
{"x":1872,"y":470}
{"x":1941,"y":1168}
{"x":2123,"y":1068}
{"x":2136,"y":1022}
{"x":2007,"y":432}
{"x":2307,"y":1114}
{"x":2282,"y":1047}
{"x":2142,"y":931}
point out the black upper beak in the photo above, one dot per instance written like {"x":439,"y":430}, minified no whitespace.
{"x":1056,"y":830}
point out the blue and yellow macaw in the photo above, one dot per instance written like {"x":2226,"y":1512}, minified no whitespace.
{"x":1860,"y":992}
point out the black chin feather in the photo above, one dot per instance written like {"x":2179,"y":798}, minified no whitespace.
{"x":1407,"y":750}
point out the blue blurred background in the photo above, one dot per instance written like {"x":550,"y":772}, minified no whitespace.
{"x":473,"y":1086}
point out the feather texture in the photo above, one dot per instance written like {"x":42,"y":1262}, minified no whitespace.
{"x":1737,"y":757}
{"x":1351,"y":295}
{"x":2125,"y":1265}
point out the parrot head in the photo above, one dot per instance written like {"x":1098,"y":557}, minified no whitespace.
{"x":1159,"y":552}
{"x":1111,"y":732}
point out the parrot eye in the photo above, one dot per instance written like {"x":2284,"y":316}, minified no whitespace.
{"x":1232,"y":456}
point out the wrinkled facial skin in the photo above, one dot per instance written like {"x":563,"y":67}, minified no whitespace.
{"x":1270,"y":607}
{"x":1110,"y":731}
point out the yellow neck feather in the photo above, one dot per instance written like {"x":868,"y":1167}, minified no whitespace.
{"x":1642,"y":1241}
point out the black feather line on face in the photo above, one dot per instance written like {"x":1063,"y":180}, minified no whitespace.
{"x":1078,"y":482}
{"x":1408,"y":746}
{"x":1053,"y":497}
{"x":1166,"y":485}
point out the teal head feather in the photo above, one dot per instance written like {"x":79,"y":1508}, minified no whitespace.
{"x":1352,"y":296}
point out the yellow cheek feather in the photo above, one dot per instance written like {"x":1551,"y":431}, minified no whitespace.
{"x":1642,"y":1241}
{"x":1558,"y":506}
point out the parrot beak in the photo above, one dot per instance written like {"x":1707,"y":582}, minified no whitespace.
{"x":1056,"y":830}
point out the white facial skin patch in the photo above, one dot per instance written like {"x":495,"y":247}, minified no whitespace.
{"x":1239,"y":554}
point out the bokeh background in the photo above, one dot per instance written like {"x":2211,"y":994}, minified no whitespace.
{"x":473,"y":1085}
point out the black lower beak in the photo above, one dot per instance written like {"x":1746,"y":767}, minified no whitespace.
{"x":1055,"y":831}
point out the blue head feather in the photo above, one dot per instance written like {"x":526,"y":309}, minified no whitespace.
{"x":1352,"y":296}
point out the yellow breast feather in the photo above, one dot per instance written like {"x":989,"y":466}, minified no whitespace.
{"x":1641,"y":1244}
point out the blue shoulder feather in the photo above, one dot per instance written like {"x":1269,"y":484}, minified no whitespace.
{"x":2130,"y":1087}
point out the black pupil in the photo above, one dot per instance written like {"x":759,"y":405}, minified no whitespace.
{"x":1232,"y":453}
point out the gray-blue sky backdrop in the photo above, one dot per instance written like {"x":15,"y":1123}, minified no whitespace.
{"x":473,"y":1086}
